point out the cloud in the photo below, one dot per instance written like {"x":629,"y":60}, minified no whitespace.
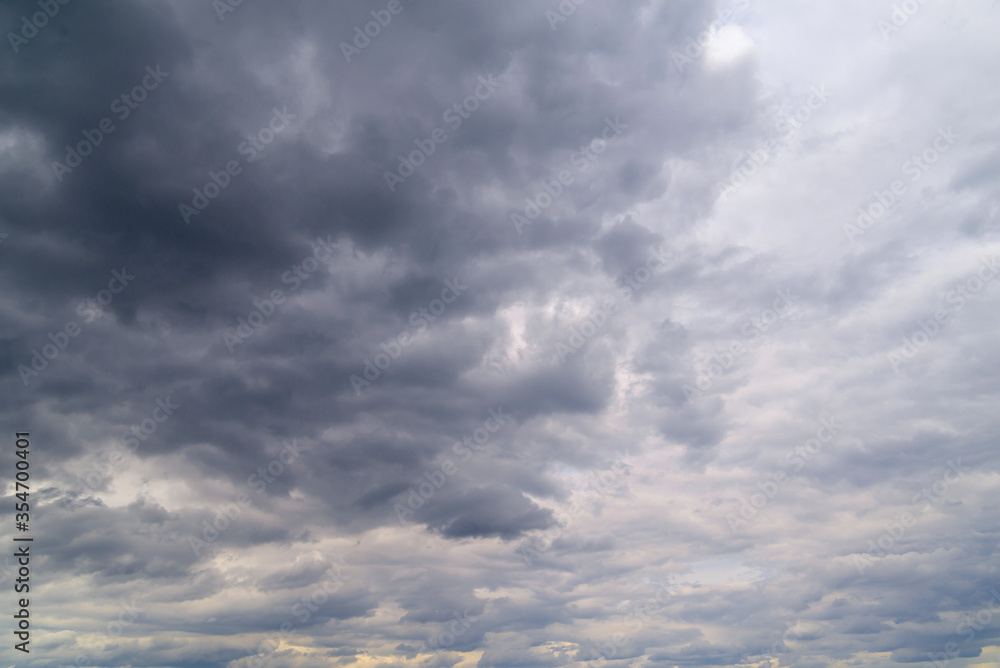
{"x":636,"y":311}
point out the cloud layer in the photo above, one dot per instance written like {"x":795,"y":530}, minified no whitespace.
{"x":504,"y":334}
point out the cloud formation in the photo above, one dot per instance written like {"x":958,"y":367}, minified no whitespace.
{"x":480,"y":334}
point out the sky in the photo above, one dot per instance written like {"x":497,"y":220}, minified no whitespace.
{"x":655,"y":333}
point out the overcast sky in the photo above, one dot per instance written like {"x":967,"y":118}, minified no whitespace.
{"x":646,"y":333}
